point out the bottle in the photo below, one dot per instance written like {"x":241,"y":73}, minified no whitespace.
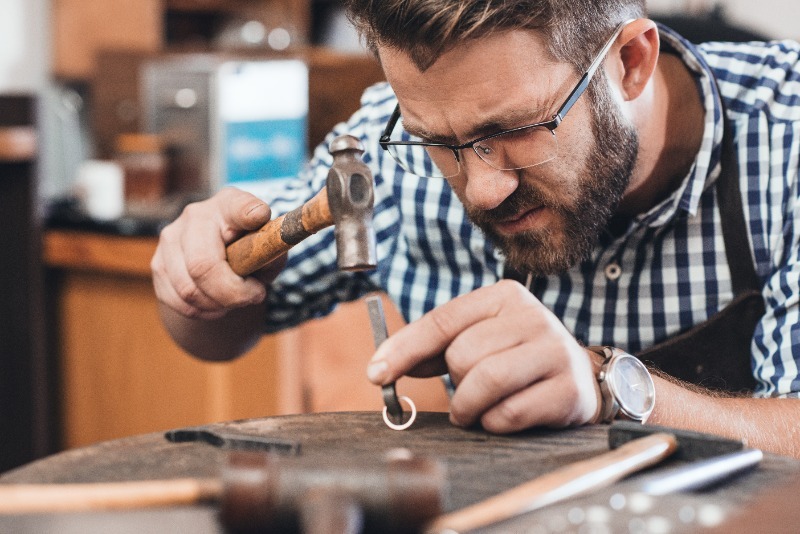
{"x":144,"y":162}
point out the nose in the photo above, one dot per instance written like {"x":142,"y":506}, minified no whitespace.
{"x":483,"y":186}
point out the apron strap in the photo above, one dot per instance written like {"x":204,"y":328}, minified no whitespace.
{"x":734,"y":225}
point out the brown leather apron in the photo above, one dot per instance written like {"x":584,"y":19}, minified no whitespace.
{"x":716,"y":354}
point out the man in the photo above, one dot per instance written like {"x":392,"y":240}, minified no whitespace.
{"x":651,"y":211}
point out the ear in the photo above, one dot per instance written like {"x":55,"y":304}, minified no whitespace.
{"x":637,"y":57}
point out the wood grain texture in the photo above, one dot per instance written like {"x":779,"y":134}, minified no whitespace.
{"x":479,"y":465}
{"x":123,"y":375}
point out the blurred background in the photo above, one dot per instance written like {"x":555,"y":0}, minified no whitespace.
{"x":114,"y":115}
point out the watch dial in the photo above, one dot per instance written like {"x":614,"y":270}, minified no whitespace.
{"x":633,"y":385}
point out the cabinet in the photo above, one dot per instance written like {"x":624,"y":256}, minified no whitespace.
{"x":121,"y":374}
{"x":83,"y":28}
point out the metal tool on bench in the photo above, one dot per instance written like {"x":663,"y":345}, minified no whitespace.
{"x":262,"y":492}
{"x":633,"y":447}
{"x":346,"y":202}
{"x":709,"y":459}
{"x":393,"y":414}
{"x":233,"y":440}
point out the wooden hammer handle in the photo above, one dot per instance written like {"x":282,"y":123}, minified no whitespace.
{"x":256,"y":249}
{"x":45,"y":498}
{"x":563,"y":483}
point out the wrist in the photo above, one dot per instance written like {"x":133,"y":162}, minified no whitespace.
{"x":626,"y":387}
{"x":596,"y":361}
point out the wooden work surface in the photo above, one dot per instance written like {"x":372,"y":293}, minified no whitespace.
{"x":478,"y":465}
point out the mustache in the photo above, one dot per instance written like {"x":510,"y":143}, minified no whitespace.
{"x":525,"y":197}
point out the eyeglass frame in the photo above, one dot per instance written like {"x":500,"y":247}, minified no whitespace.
{"x":551,"y":124}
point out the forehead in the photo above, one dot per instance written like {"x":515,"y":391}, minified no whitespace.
{"x":482,"y":81}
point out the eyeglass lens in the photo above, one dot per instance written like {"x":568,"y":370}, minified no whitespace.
{"x":511,"y":150}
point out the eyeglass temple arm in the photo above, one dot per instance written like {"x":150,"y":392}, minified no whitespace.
{"x":587,"y":76}
{"x":387,"y":132}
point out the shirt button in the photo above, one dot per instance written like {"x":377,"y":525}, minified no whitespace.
{"x":613,"y":271}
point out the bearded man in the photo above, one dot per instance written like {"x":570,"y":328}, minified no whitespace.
{"x":559,"y":186}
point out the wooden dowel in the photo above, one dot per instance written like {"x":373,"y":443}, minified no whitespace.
{"x":569,"y":481}
{"x":256,"y":249}
{"x":46,"y":498}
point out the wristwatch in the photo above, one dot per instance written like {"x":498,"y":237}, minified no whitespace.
{"x":626,"y":386}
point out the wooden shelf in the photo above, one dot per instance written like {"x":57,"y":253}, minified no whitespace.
{"x":86,"y":251}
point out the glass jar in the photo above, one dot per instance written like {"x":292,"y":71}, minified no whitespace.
{"x":145,"y":164}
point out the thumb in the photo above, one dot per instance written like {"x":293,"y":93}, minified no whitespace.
{"x":241,"y":211}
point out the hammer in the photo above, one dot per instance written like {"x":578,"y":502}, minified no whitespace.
{"x":262,"y":492}
{"x":346,"y":202}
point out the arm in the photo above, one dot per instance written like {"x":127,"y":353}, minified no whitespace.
{"x":515,"y":366}
{"x":769,"y":424}
{"x":210,"y":311}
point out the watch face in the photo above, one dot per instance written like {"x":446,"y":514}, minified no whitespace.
{"x":633,"y":386}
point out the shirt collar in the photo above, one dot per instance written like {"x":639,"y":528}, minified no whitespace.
{"x":706,"y":168}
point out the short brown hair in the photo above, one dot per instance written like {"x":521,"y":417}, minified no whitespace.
{"x":425,"y":29}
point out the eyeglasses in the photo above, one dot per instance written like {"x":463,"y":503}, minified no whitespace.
{"x":506,"y":150}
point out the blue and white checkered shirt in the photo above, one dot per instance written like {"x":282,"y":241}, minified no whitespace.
{"x":667,"y":272}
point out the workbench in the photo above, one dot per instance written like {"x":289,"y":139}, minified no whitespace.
{"x":477,"y":465}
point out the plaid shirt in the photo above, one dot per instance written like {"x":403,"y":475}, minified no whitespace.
{"x":666,"y":273}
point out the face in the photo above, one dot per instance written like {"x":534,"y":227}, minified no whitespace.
{"x":544,"y":218}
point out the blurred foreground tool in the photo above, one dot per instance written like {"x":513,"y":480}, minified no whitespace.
{"x":634,"y":447}
{"x":261,"y":492}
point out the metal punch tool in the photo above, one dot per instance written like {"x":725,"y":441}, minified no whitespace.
{"x":392,"y":411}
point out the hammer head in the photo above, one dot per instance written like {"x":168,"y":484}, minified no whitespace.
{"x":350,"y":197}
{"x":270,"y":494}
{"x":691,"y":445}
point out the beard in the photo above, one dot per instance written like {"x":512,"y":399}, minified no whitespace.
{"x":594,"y":192}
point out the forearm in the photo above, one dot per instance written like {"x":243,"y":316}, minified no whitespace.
{"x":769,"y":424}
{"x":218,"y":339}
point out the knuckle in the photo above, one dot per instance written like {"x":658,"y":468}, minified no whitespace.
{"x":507,"y":417}
{"x":442,"y":322}
{"x":200,"y":268}
{"x":157,"y":265}
{"x":492,"y":377}
{"x":194,"y":210}
{"x":455,"y":366}
{"x":508,"y":287}
{"x":188,"y":292}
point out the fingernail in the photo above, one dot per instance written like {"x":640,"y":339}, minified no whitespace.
{"x":454,"y":421}
{"x":376,"y":371}
{"x":252,"y":211}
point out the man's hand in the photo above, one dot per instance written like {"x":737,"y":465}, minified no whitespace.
{"x":513,"y":363}
{"x":190,"y":273}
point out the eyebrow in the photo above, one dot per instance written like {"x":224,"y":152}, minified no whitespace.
{"x":502,"y":121}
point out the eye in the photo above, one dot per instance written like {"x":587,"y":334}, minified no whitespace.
{"x":485,"y":150}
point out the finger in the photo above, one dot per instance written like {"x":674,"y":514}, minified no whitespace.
{"x":434,"y":366}
{"x":433,"y":333}
{"x":240,"y":211}
{"x":208,"y":280}
{"x":554,"y":403}
{"x":493,"y":379}
{"x":487,"y":338}
{"x":169,"y":270}
{"x":167,"y":295}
